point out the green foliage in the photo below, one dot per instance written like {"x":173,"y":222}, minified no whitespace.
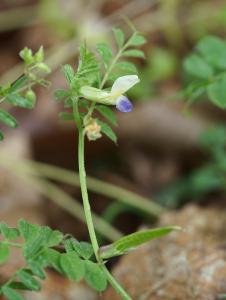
{"x":83,"y":249}
{"x":68,"y":73}
{"x":17,"y":100}
{"x":105,"y":53}
{"x":119,"y":37}
{"x":20,"y":92}
{"x":107,"y":113}
{"x":72,"y":265}
{"x":197,"y":67}
{"x":107,"y":131}
{"x":136,"y":40}
{"x":43,"y":247}
{"x":11,"y":294}
{"x":209,"y":177}
{"x":94,"y":71}
{"x":217,"y":92}
{"x":122,"y":68}
{"x":206,"y":71}
{"x":213,"y":50}
{"x":28,"y":280}
{"x":9,"y":233}
{"x":4,"y":252}
{"x":134,"y":240}
{"x":8,"y":119}
{"x":134,"y":53}
{"x":94,"y":276}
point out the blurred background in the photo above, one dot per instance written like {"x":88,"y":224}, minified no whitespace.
{"x":166,"y":154}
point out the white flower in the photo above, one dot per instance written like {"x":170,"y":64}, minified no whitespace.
{"x":115,"y":96}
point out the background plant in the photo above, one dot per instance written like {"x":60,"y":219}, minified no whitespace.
{"x":207,"y":178}
{"x":20,"y":93}
{"x":206,"y":71}
{"x":205,"y":80}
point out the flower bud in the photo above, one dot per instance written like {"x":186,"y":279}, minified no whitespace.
{"x":26,"y":55}
{"x":43,"y":67}
{"x":39,"y":55}
{"x":30,"y":95}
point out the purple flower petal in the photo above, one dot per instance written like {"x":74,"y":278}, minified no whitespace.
{"x":123,"y":104}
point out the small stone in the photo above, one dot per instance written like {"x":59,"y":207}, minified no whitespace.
{"x":182,"y":265}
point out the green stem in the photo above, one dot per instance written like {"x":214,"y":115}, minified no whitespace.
{"x":119,"y":289}
{"x":86,"y":204}
{"x":82,"y":178}
{"x":87,"y":209}
{"x":88,"y":215}
{"x":28,"y":85}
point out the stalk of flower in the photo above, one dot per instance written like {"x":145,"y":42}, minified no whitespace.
{"x":115,"y":96}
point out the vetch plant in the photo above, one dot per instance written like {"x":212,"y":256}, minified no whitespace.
{"x":99,"y":83}
{"x":20,"y":93}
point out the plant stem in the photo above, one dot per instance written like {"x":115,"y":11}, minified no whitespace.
{"x":115,"y":284}
{"x":82,"y":178}
{"x":87,"y":209}
{"x":88,"y":215}
{"x":86,"y":204}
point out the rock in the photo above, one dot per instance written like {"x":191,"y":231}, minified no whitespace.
{"x":183,"y":265}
